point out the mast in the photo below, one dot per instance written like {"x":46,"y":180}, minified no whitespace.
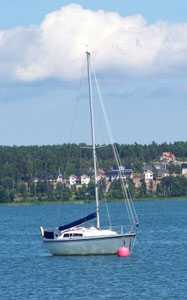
{"x":93,"y":139}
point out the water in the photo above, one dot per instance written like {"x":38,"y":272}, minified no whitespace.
{"x":156,"y":270}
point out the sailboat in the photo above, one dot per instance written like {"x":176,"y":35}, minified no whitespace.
{"x":76,"y":239}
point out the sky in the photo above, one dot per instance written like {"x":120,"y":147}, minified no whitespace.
{"x":139,"y":54}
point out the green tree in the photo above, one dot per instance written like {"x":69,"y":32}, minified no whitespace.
{"x":4,"y":197}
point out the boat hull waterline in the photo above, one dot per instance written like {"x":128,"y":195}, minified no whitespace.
{"x":90,"y":246}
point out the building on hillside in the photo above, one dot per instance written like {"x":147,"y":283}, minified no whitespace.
{"x":60,"y":179}
{"x":148,"y":175}
{"x":114,"y":174}
{"x":184,"y":169}
{"x":162,"y":173}
{"x":128,"y":172}
{"x":101,"y":175}
{"x":160,"y":166}
{"x":150,"y":181}
{"x":72,"y":180}
{"x":161,"y":170}
{"x":168,"y":157}
{"x":36,"y":180}
{"x":85,"y":179}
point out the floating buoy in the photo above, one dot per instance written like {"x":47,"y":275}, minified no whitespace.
{"x":123,"y":252}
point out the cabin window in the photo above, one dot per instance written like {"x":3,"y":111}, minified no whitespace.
{"x":70,"y":235}
{"x":77,"y":235}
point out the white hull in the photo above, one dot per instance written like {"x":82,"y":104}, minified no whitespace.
{"x":89,"y":246}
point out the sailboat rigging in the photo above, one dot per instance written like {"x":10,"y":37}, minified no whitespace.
{"x":73,"y":239}
{"x":93,"y":138}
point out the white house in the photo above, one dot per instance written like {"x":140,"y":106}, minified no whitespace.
{"x":72,"y":180}
{"x":85,"y":179}
{"x":36,"y":180}
{"x":59,"y":178}
{"x":148,"y":175}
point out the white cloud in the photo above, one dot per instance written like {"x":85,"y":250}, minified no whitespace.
{"x":124,"y":44}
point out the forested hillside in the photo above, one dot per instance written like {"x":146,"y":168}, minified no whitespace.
{"x":26,"y":162}
{"x":22,"y":164}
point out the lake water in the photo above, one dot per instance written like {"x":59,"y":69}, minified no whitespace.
{"x":157,"y":268}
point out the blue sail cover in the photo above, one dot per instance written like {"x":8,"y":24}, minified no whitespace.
{"x":78,"y":222}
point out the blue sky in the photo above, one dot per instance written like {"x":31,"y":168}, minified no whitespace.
{"x":20,"y":12}
{"x":44,"y":102}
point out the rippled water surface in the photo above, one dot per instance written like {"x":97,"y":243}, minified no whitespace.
{"x":156,"y":270}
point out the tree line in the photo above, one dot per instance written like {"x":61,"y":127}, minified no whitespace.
{"x":22,"y":164}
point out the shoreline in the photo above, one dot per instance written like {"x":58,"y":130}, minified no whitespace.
{"x":81,"y":202}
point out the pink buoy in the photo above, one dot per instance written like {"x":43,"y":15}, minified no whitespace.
{"x":123,"y":252}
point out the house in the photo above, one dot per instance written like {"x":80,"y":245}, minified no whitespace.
{"x":99,"y":178}
{"x":60,"y":178}
{"x":148,"y":172}
{"x":162,"y":173}
{"x":149,"y":178}
{"x":85,"y":179}
{"x":36,"y":180}
{"x":115,"y":174}
{"x":148,"y":175}
{"x":101,"y":175}
{"x":168,"y":157}
{"x":160,"y":166}
{"x":112,"y":175}
{"x":72,"y":180}
{"x":184,"y":169}
{"x":161,"y":170}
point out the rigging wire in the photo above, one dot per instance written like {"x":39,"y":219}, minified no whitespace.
{"x":105,"y":202}
{"x":130,"y":206}
{"x":128,"y":191}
